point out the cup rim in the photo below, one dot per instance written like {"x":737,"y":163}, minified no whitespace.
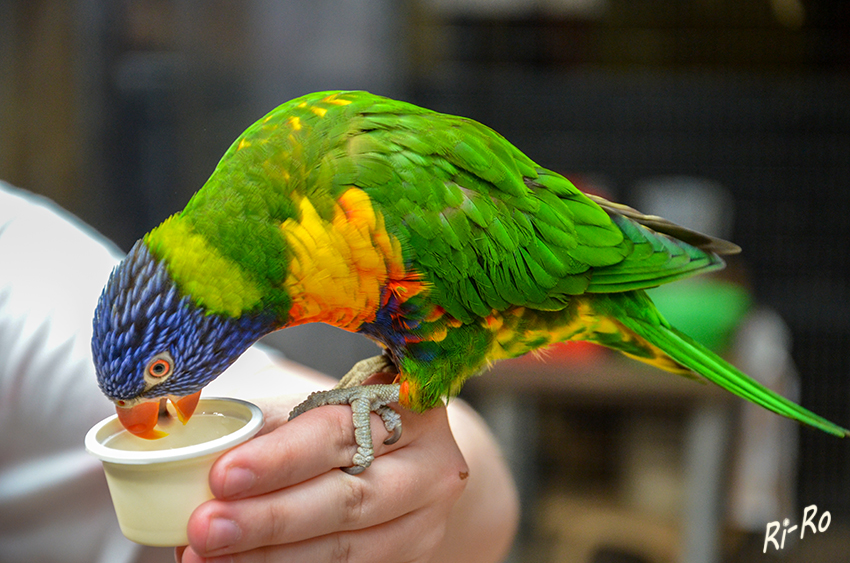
{"x":128,"y":457}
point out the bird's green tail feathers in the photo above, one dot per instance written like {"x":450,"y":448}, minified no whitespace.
{"x":696,"y":357}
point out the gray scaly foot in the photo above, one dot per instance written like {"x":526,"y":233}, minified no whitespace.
{"x":363,"y":400}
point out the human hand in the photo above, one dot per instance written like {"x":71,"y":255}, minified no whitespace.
{"x":281,"y":496}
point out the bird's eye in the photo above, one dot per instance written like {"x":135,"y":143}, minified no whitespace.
{"x":160,"y":365}
{"x":159,"y":368}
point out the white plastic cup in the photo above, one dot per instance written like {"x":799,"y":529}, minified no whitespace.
{"x":155,"y":491}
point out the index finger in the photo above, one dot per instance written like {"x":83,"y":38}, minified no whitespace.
{"x":309,"y":445}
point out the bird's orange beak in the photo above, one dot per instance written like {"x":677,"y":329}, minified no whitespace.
{"x":141,"y":419}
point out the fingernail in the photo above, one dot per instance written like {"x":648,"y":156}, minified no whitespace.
{"x":222,"y":533}
{"x":193,"y":556}
{"x":237,"y":480}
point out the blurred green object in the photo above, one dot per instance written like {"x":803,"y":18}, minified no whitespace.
{"x":709,"y":310}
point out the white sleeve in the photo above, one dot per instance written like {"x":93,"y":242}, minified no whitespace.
{"x":54,"y":503}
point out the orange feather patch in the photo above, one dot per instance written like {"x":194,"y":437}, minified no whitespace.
{"x":340,"y":268}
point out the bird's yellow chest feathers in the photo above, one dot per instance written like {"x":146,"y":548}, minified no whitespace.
{"x":339,"y":266}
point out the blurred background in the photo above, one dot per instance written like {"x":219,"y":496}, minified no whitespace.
{"x":731,"y":116}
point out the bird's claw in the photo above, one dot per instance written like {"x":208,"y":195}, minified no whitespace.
{"x":363,"y":400}
{"x":392,"y":422}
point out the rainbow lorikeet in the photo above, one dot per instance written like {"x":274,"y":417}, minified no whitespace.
{"x":428,"y":233}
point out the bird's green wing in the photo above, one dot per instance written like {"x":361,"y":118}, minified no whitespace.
{"x":661,"y":251}
{"x":476,"y":217}
{"x":491,"y":229}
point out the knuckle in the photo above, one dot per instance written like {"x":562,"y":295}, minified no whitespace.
{"x":352,"y":500}
{"x":341,"y":552}
{"x":340,"y":426}
{"x":275,"y":527}
{"x":338,"y":429}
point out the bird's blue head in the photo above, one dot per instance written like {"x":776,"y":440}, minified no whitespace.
{"x":150,"y":341}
